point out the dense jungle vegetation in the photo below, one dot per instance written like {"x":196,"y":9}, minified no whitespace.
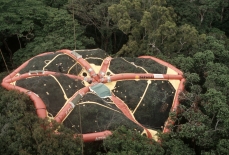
{"x":190,"y":34}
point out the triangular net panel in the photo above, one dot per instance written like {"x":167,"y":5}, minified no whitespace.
{"x":90,"y":92}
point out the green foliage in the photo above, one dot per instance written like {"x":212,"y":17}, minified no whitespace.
{"x":55,"y":3}
{"x":217,"y":46}
{"x":17,"y":20}
{"x":17,"y":17}
{"x":55,"y":33}
{"x":39,"y":28}
{"x":191,"y":35}
{"x":125,"y":141}
{"x":222,"y":147}
{"x":152,"y":28}
{"x":176,"y":147}
{"x":217,"y":77}
{"x":186,"y":64}
{"x":21,"y":132}
{"x":201,"y":14}
{"x":93,"y":15}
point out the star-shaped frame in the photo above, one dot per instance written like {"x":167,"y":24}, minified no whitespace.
{"x":92,"y":93}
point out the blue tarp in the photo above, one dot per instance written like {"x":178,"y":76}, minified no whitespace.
{"x":101,"y":90}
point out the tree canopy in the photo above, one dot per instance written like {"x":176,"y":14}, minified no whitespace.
{"x":192,"y":35}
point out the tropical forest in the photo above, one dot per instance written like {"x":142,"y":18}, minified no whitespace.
{"x":192,"y":35}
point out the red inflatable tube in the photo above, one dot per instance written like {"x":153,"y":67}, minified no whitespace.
{"x":45,"y":73}
{"x":82,"y":62}
{"x":90,"y":137}
{"x":127,"y":76}
{"x":16,"y":71}
{"x":95,"y":77}
{"x":42,"y":54}
{"x":142,"y":76}
{"x":23,"y":66}
{"x":104,"y":67}
{"x":67,"y":108}
{"x":175,"y":105}
{"x":64,"y":112}
{"x":38,"y":103}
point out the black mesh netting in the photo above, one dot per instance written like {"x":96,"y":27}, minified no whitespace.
{"x":49,"y":90}
{"x":37,"y":63}
{"x":95,"y":56}
{"x":155,"y":100}
{"x":64,"y":64}
{"x":156,"y":104}
{"x":148,"y":64}
{"x":149,"y":100}
{"x":96,"y":61}
{"x":130,"y":91}
{"x":93,"y":53}
{"x":97,"y":115}
{"x":56,"y":62}
{"x":136,"y":65}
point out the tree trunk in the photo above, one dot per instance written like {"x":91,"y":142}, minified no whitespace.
{"x":115,"y":42}
{"x":10,"y":52}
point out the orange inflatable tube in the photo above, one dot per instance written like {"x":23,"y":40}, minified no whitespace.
{"x":95,"y":77}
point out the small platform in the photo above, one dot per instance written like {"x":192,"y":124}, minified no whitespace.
{"x":101,"y":90}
